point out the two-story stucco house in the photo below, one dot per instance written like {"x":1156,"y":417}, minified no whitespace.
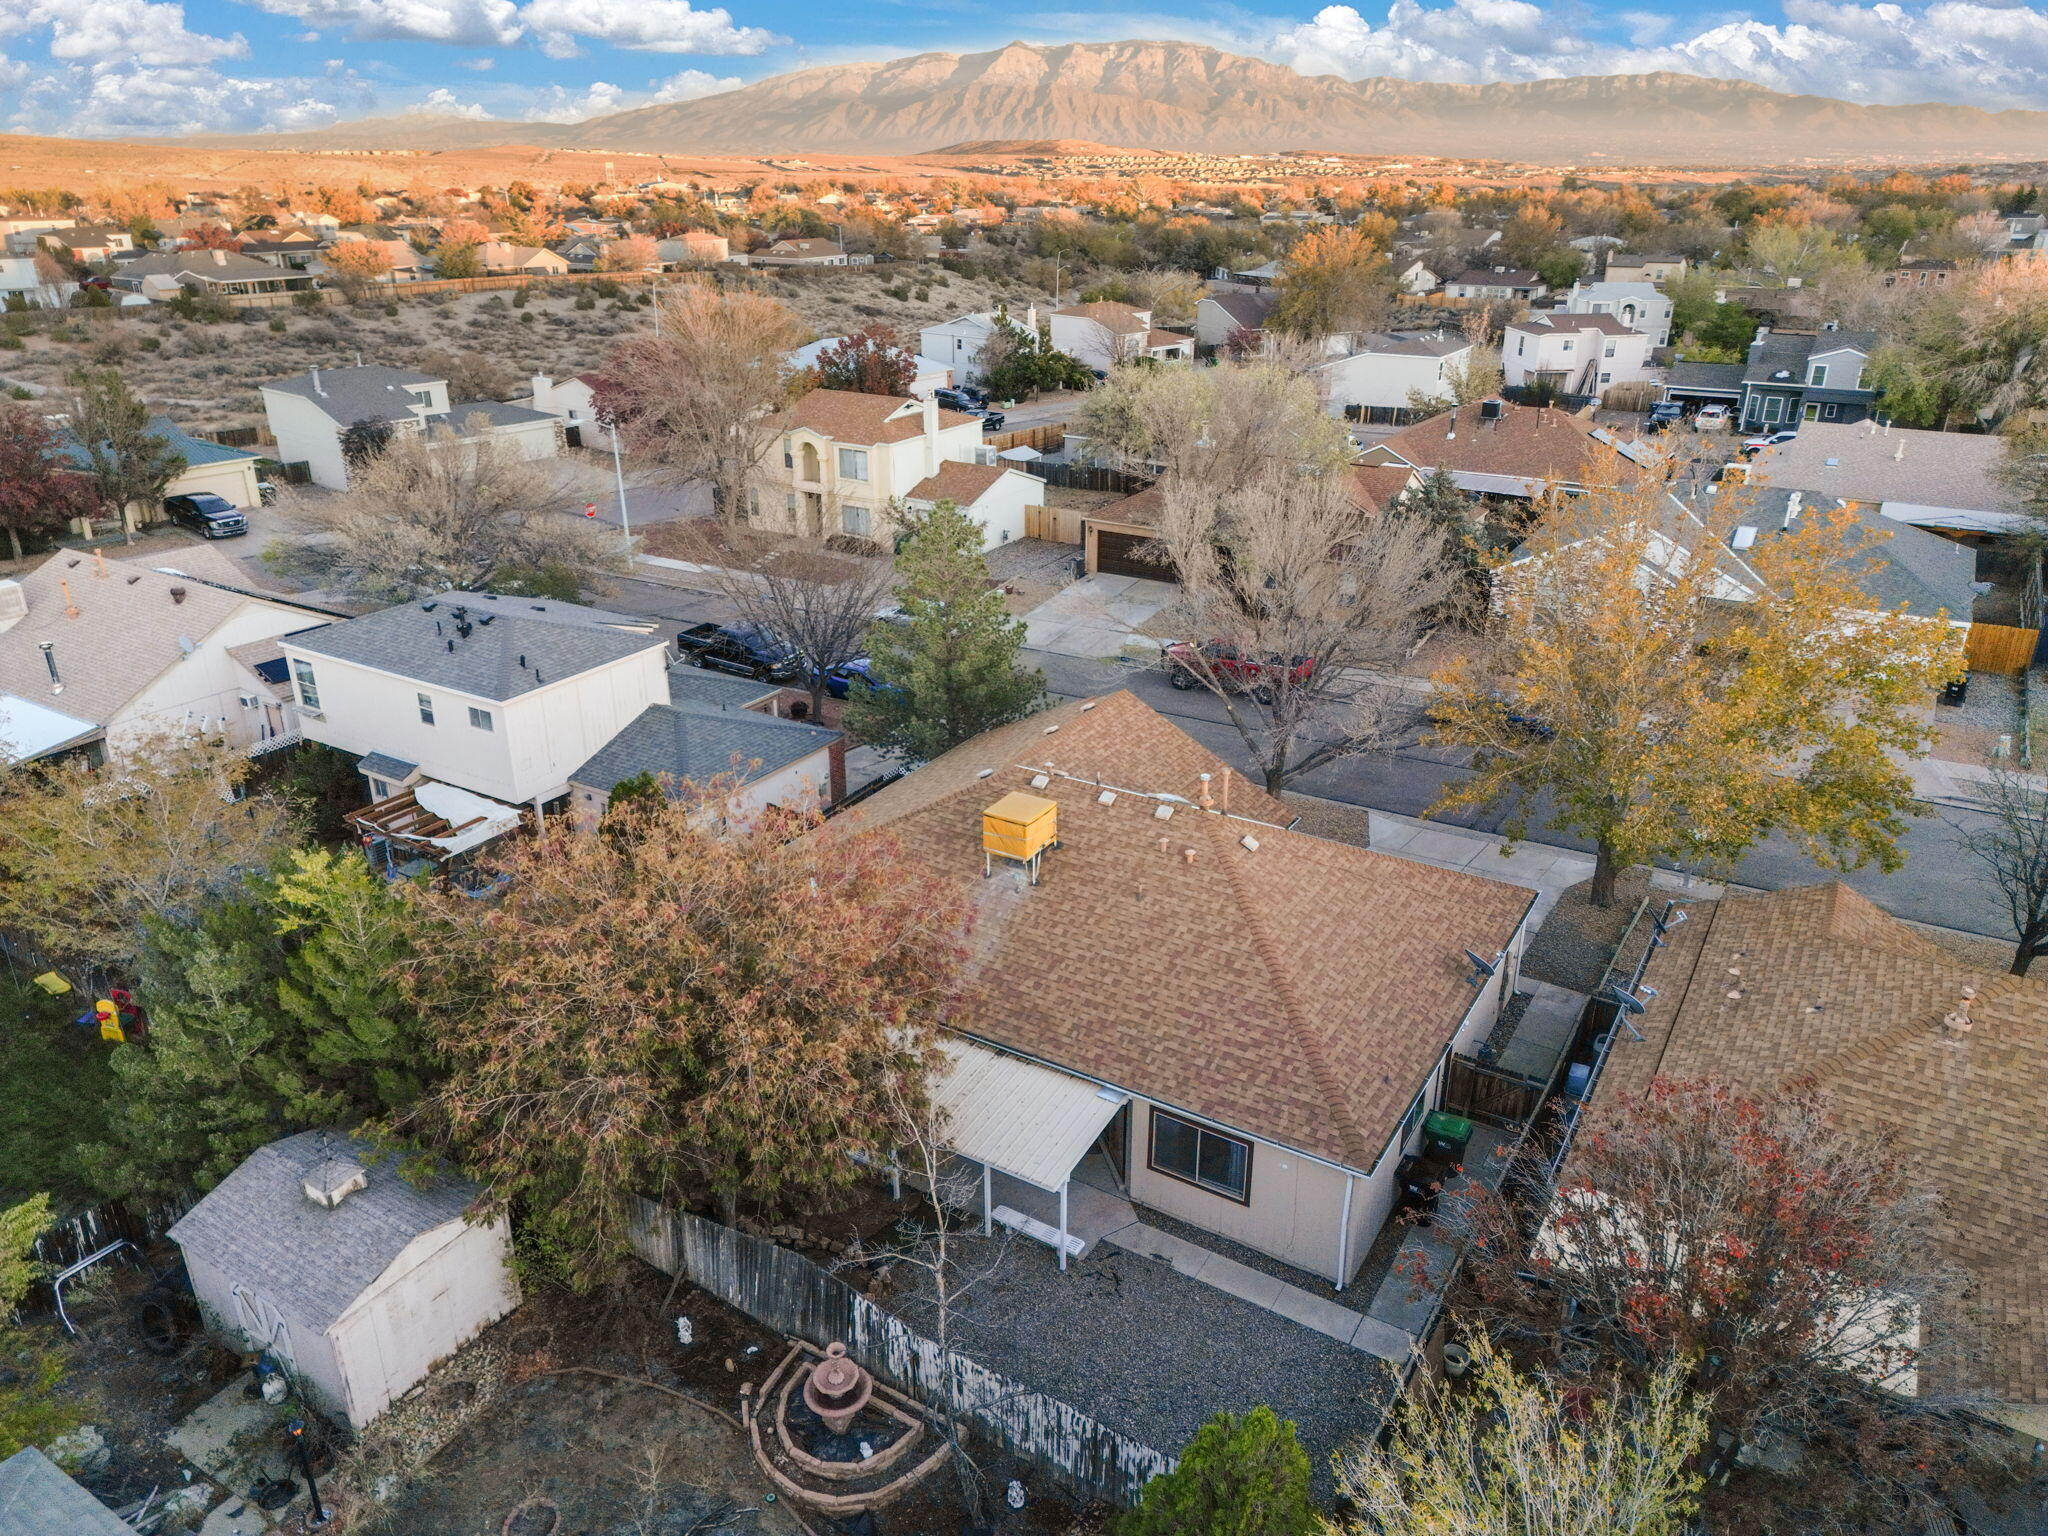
{"x":505,"y":697}
{"x":1104,"y":334}
{"x":1372,"y":376}
{"x":958,"y":342}
{"x":309,"y":412}
{"x":1639,"y":306}
{"x":843,"y":458}
{"x":1579,"y":354}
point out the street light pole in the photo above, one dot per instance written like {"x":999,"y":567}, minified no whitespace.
{"x":619,"y":478}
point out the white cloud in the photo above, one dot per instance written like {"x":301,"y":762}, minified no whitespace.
{"x":653,"y":26}
{"x":444,"y":102}
{"x":138,"y":99}
{"x":1953,"y":50}
{"x":480,"y":63}
{"x":691,"y":85}
{"x":130,"y":31}
{"x":470,"y":23}
{"x":562,"y":106}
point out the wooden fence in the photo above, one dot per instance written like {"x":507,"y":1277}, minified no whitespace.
{"x":1481,"y":1092}
{"x":787,"y":1292}
{"x":1061,"y":525}
{"x":2000,"y":648}
{"x":1086,"y":477}
{"x":1050,"y":438}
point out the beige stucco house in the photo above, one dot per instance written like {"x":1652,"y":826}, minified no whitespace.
{"x":843,"y":458}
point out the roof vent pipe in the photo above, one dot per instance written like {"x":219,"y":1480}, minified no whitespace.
{"x":49,"y":650}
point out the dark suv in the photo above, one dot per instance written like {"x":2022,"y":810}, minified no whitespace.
{"x":214,"y":517}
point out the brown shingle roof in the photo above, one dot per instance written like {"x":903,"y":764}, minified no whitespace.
{"x":961,"y":484}
{"x":847,"y":416}
{"x":1532,"y":442}
{"x":1301,"y":991}
{"x":1834,"y":989}
{"x":1120,"y":318}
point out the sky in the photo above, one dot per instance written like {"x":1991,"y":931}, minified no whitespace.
{"x":102,"y":68}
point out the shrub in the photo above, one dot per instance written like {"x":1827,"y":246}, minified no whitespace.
{"x":277,"y":322}
{"x":1242,"y":1475}
{"x":586,"y":301}
{"x":310,"y":299}
{"x":152,"y":343}
{"x":10,"y":343}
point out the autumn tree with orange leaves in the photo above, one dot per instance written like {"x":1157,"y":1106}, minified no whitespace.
{"x":692,"y":1005}
{"x":1791,"y":1262}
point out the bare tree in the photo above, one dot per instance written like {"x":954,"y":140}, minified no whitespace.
{"x":1216,"y":426}
{"x":2011,"y":842}
{"x":437,"y":510}
{"x":695,"y":393}
{"x":1292,"y":590}
{"x":818,"y":604}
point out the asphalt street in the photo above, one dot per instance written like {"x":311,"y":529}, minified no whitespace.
{"x":1937,"y":884}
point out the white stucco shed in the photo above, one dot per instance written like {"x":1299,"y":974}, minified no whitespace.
{"x":355,"y":1280}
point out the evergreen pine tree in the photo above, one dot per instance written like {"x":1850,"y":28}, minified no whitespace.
{"x":949,"y":670}
{"x":1242,"y":1475}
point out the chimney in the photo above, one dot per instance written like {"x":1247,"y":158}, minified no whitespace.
{"x":13,"y":604}
{"x":329,"y":1183}
{"x":220,"y":258}
{"x":1793,"y":502}
{"x":318,"y":388}
{"x":543,"y":392}
{"x":49,"y":650}
{"x":931,"y":434}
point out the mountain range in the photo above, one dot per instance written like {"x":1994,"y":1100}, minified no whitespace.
{"x":1181,"y":96}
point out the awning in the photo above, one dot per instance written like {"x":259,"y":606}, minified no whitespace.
{"x":1955,"y":519}
{"x":31,"y":730}
{"x":437,"y":818}
{"x":1025,"y":1120}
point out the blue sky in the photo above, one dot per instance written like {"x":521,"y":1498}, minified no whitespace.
{"x":106,"y":67}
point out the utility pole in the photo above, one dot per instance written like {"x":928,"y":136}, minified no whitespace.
{"x":619,"y":478}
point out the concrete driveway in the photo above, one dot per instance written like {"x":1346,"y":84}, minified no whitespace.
{"x":1098,"y":616}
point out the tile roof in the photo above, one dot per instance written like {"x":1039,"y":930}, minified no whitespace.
{"x":1526,"y":442}
{"x":697,"y":742}
{"x":1837,"y":990}
{"x":256,"y":1227}
{"x":38,"y":1498}
{"x":128,"y":628}
{"x":514,"y":644}
{"x":1864,"y":462}
{"x":369,"y":393}
{"x":1300,"y":991}
{"x":847,"y":416}
{"x":961,"y":484}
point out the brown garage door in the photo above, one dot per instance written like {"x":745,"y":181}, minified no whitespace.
{"x":1117,"y":554}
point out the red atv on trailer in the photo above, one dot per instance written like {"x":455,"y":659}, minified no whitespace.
{"x":1191,"y":666}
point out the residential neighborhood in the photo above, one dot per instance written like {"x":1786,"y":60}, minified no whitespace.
{"x":1083,"y":850}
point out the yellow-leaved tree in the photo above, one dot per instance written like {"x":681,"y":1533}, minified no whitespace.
{"x":1669,"y":696}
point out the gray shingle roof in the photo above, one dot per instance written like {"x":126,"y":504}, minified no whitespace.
{"x":382,"y":765}
{"x":698,"y":742}
{"x":1787,"y":352}
{"x":370,"y":393}
{"x":696,"y":685}
{"x":37,"y":1498}
{"x":258,"y":1228}
{"x":1722,"y":376}
{"x":1902,"y":464}
{"x":526,"y":644}
{"x":1926,"y":572}
{"x":496,"y":412}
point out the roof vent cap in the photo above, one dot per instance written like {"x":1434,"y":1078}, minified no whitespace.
{"x":1040,"y":780}
{"x":329,"y":1183}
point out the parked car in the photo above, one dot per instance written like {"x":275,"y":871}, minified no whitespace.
{"x":841,"y":680}
{"x":742,"y":649}
{"x":1666,"y":413}
{"x":1191,"y":666}
{"x":210,"y":516}
{"x":1711,"y":416}
{"x":961,"y":398}
{"x":991,"y":421}
{"x":1769,"y":439}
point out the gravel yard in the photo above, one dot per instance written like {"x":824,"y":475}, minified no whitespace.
{"x":1153,"y":1353}
{"x":1577,"y":940}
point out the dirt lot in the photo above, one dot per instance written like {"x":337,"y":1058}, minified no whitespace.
{"x":206,"y":375}
{"x":618,"y":1458}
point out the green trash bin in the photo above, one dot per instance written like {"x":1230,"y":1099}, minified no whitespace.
{"x":1445,"y":1135}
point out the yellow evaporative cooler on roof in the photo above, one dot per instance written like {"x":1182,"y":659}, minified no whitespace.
{"x":1018,"y":827}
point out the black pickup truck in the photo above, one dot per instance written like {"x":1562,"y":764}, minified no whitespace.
{"x":740,"y":648}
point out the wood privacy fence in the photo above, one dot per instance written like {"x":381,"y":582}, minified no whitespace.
{"x":2000,"y":648}
{"x":1050,"y":438}
{"x":1087,"y":477}
{"x":1062,"y":525}
{"x":787,"y":1292}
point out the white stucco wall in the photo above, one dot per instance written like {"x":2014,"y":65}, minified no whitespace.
{"x":308,"y":1356}
{"x":306,"y":434}
{"x":1384,"y":379}
{"x":205,"y":688}
{"x":536,"y":740}
{"x":234,"y":481}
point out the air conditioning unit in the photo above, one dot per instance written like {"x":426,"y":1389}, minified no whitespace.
{"x":247,"y":700}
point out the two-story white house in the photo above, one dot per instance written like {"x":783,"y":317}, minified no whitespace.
{"x":505,"y":697}
{"x":1579,"y":354}
{"x":309,"y":412}
{"x":1372,"y":376}
{"x":1639,"y":306}
{"x":844,"y":458}
{"x":958,"y":343}
{"x":1103,"y":334}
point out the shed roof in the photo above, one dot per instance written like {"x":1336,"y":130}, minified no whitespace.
{"x":310,"y":1261}
{"x":1028,"y":1121}
{"x":37,"y":1498}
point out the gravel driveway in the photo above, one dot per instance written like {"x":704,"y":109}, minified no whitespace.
{"x":1153,"y":1354}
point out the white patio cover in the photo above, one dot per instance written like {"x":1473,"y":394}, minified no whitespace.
{"x":29,"y":729}
{"x":474,"y":819}
{"x":1028,"y":1121}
